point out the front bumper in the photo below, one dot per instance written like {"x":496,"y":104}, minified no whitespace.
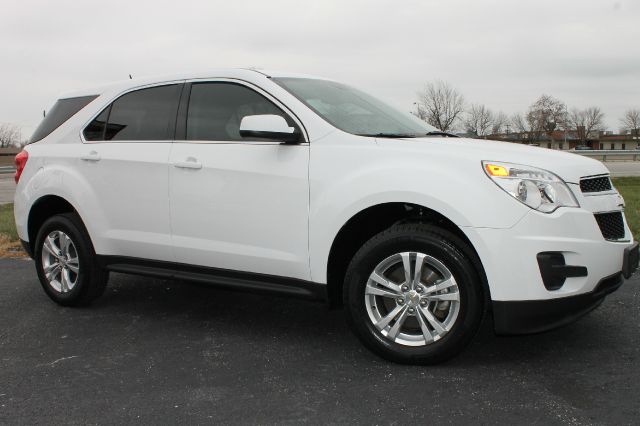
{"x":510,"y":256}
{"x":584,"y":268}
{"x":534,"y":316}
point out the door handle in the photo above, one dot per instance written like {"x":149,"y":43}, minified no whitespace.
{"x":190,"y":163}
{"x":92,"y":156}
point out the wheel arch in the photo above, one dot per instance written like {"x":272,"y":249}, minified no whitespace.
{"x":374,"y":219}
{"x":42,"y":209}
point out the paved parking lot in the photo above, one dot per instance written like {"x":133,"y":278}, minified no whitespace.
{"x":155,"y":351}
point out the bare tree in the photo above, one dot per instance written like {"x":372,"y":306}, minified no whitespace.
{"x":577,"y":119}
{"x":594,"y":121}
{"x":631,"y":121}
{"x":545,"y":115}
{"x":478,"y":120}
{"x":10,"y":135}
{"x":586,"y":121}
{"x":500,"y":123}
{"x":440,"y":105}
{"x":520,"y":125}
{"x":420,"y":112}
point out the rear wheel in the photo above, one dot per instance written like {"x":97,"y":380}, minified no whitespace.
{"x":412,"y":296}
{"x":65,"y":262}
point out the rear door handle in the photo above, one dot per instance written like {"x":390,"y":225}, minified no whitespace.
{"x":92,"y":156}
{"x":190,"y":163}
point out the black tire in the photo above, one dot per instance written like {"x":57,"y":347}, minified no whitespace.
{"x":441,"y":245}
{"x":90,"y":281}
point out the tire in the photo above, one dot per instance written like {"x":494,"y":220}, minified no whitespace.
{"x":448,"y":288}
{"x":77,"y":280}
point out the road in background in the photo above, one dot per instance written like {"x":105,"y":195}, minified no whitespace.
{"x":623,"y":168}
{"x":7,"y":188}
{"x":163,"y":352}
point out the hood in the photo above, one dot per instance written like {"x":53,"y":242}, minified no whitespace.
{"x":570,"y":167}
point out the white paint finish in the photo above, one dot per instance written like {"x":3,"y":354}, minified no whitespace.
{"x":509,"y":255}
{"x":276,"y":209}
{"x":123,"y":198}
{"x":443,"y":174}
{"x":130,"y":184}
{"x":245,"y":209}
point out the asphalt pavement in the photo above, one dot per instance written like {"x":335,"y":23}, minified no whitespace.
{"x":156,"y":352}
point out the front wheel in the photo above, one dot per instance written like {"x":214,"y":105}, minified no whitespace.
{"x":65,"y":262}
{"x":413,"y":296}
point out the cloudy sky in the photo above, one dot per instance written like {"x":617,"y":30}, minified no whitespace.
{"x":503,"y":53}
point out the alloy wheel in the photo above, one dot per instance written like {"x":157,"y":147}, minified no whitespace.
{"x":412,"y":298}
{"x":60,"y":261}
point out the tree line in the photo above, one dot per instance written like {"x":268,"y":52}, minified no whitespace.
{"x":444,"y":107}
{"x":10,"y":135}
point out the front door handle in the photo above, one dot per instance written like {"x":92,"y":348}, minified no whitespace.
{"x":92,"y":156}
{"x":190,"y":163}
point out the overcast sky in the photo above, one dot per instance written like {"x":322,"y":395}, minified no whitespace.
{"x":503,"y":53}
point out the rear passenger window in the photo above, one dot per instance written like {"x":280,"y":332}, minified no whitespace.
{"x":142,"y":115}
{"x":216,"y":109}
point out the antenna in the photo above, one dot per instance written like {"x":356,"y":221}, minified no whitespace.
{"x":44,"y":113}
{"x":130,"y":78}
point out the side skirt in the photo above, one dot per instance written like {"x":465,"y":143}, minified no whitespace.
{"x":225,"y":278}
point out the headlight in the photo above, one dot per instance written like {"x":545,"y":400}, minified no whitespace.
{"x":539,"y":189}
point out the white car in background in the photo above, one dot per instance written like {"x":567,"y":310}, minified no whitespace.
{"x":283,"y":183}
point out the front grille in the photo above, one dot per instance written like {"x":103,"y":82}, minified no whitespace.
{"x":596,"y":184}
{"x":611,"y":225}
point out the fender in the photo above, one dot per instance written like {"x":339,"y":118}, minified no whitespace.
{"x":377,"y":180}
{"x":61,"y":180}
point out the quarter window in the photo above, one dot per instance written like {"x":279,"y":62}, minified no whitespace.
{"x":142,"y":115}
{"x":216,"y":109}
{"x":95,"y":130}
{"x":63,"y":110}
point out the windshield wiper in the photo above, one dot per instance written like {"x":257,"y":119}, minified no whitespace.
{"x":439,"y":133}
{"x":389,"y":135}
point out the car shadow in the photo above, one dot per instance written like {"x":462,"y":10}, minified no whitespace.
{"x":311,"y":327}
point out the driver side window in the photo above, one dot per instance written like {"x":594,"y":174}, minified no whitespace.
{"x":217,"y":108}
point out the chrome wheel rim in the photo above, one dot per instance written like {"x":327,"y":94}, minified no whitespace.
{"x":412,"y":298}
{"x":60,"y":262}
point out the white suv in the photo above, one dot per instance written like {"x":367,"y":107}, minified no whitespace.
{"x":283,"y":183}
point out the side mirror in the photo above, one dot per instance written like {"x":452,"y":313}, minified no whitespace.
{"x":268,"y":126}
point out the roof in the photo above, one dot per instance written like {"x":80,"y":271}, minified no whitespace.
{"x":240,"y":73}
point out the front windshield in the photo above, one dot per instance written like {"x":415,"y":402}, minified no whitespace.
{"x":354,"y":111}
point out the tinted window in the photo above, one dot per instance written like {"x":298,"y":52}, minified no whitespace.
{"x":62,"y":110}
{"x":142,"y":115}
{"x":95,"y":130}
{"x":216,"y":109}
